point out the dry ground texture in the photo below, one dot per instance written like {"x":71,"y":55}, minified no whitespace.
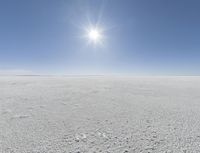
{"x":99,"y":114}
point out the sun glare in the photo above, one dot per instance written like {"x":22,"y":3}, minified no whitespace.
{"x":94,"y":35}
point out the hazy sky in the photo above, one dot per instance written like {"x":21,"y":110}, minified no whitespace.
{"x":159,"y":37}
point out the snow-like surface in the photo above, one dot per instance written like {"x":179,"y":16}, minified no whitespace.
{"x":99,"y":114}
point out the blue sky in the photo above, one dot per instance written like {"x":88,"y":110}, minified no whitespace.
{"x":142,"y":37}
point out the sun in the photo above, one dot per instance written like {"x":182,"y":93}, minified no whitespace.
{"x":94,"y":35}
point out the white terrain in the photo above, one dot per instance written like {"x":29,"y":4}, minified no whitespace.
{"x":99,"y":114}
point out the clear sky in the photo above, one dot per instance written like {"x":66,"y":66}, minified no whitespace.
{"x":143,"y":37}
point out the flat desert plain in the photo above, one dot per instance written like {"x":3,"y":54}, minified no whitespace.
{"x":99,"y":114}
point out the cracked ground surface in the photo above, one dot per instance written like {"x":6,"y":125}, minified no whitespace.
{"x":98,"y":114}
